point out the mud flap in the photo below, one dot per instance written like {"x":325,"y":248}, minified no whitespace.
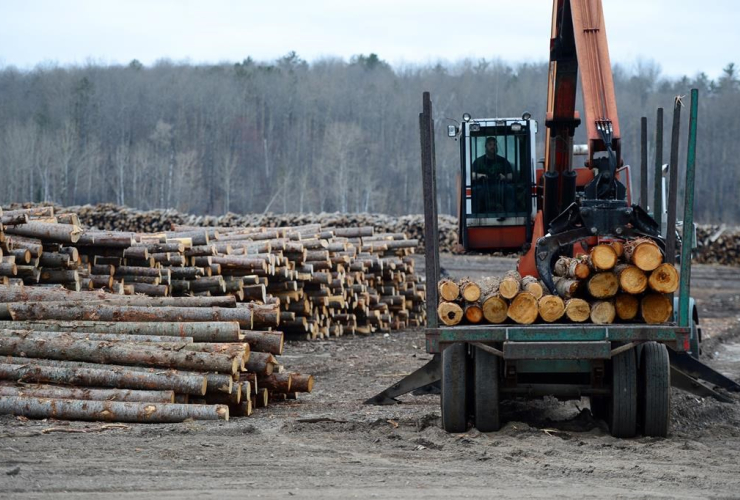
{"x":428,"y":374}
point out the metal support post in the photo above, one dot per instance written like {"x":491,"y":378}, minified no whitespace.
{"x":658,"y":186}
{"x":670,"y":237}
{"x":643,"y":164}
{"x":431,"y":234}
{"x":688,"y":215}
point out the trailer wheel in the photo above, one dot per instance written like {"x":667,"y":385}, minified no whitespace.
{"x":655,"y":390}
{"x":623,"y":403}
{"x":486,"y":386}
{"x":454,"y":388}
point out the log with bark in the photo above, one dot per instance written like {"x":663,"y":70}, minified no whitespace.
{"x":573,"y":268}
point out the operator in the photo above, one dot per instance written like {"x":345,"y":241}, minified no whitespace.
{"x":493,"y":167}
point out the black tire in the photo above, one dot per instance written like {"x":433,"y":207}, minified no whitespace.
{"x":623,"y":402}
{"x":655,"y":393}
{"x":486,"y":386}
{"x":454,"y":388}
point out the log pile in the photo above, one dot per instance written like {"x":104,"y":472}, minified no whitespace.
{"x":134,"y":371}
{"x":312,"y":281}
{"x":717,"y":244}
{"x":110,"y":217}
{"x":615,"y":281}
{"x":118,"y":352}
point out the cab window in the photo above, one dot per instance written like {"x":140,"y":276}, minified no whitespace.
{"x":499,"y":175}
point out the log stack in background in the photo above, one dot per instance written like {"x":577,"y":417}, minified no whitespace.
{"x":315,"y":282}
{"x":717,"y":244}
{"x":616,"y":281}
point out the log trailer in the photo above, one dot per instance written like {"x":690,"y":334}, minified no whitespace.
{"x":625,"y":369}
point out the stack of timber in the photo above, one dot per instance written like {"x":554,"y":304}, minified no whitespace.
{"x":717,"y":244}
{"x":135,"y":358}
{"x":311,"y":281}
{"x":617,"y":281}
{"x":111,"y":217}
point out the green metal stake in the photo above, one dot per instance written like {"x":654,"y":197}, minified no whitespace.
{"x":688,"y":216}
{"x":658,"y":185}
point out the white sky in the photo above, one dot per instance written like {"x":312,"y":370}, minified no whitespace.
{"x":399,"y":31}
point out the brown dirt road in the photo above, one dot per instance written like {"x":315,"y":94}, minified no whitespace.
{"x":329,"y":445}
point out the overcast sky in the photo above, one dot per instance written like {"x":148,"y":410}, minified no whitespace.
{"x":682,"y":36}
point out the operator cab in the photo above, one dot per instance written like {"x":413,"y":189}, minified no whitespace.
{"x":497,"y":196}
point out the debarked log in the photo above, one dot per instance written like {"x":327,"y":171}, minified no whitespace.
{"x":89,"y":393}
{"x":119,"y":353}
{"x":105,"y":337}
{"x":106,"y":376}
{"x":109,"y":411}
{"x":47,"y":231}
{"x":222,"y":331}
{"x":39,"y":311}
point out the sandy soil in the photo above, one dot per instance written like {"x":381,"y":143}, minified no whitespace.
{"x":330,"y":445}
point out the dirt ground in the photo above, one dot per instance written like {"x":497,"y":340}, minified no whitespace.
{"x":329,"y":445}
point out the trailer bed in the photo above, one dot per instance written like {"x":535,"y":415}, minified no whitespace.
{"x":574,"y":338}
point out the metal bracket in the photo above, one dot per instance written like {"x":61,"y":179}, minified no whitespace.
{"x":488,"y":348}
{"x":623,"y":348}
{"x":424,"y":376}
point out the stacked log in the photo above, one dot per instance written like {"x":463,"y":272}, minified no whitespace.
{"x":625,"y":281}
{"x":717,"y":244}
{"x":127,"y":353}
{"x":52,"y":369}
{"x":312,"y":281}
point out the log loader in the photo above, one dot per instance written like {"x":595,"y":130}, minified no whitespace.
{"x":625,"y":369}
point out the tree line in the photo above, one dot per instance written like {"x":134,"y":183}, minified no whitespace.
{"x":289,"y":136}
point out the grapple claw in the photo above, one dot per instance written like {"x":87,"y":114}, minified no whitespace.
{"x":602,"y":218}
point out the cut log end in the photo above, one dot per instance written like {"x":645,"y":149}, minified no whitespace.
{"x":473,"y":313}
{"x":603,"y":257}
{"x":551,"y":308}
{"x":524,"y":309}
{"x":644,"y":253}
{"x":627,"y":306}
{"x":448,"y":290}
{"x":603,"y":285}
{"x":577,"y":310}
{"x":469,"y":290}
{"x":631,"y":278}
{"x":450,"y":313}
{"x":656,"y":308}
{"x":495,"y":309}
{"x":603,"y":312}
{"x":664,"y":279}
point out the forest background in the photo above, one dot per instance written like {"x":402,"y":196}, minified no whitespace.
{"x":293,"y":136}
